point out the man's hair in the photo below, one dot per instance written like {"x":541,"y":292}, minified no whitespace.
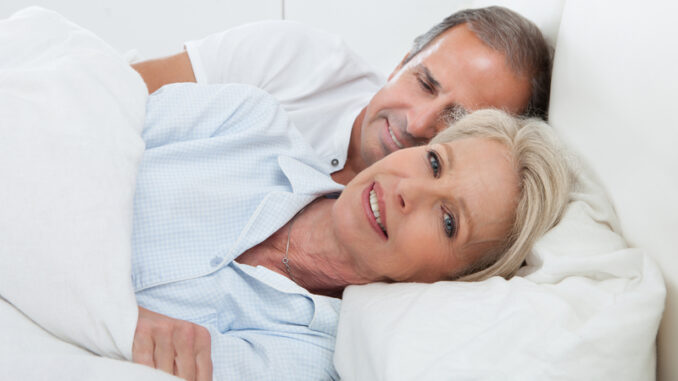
{"x":544,"y":177}
{"x":509,"y":33}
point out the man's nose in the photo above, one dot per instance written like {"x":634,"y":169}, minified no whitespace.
{"x":424,"y":123}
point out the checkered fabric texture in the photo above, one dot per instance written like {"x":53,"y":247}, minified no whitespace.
{"x":222,"y":171}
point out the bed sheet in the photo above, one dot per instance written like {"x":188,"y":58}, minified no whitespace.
{"x":28,"y":352}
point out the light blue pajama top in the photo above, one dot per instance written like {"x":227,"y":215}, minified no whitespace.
{"x":222,"y":171}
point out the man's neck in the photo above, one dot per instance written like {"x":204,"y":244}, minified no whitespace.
{"x":354,"y":160}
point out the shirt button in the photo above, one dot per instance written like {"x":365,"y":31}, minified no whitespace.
{"x":216,"y":261}
{"x":335,"y":162}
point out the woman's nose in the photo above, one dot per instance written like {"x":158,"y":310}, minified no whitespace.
{"x":412,"y":192}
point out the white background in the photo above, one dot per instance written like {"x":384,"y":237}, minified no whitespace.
{"x":157,"y":28}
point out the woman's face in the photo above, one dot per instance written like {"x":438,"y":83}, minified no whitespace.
{"x":439,"y":207}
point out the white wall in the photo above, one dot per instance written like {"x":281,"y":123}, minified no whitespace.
{"x":153,"y":27}
{"x":379,"y":33}
{"x":382,"y":31}
{"x":156,"y":28}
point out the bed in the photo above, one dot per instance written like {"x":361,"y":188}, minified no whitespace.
{"x":588,"y":304}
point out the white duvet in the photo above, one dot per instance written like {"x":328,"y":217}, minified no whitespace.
{"x":586,"y":307}
{"x":71,"y":110}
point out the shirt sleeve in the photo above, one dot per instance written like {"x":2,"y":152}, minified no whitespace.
{"x":278,"y":56}
{"x":186,"y":111}
{"x":261,"y":355}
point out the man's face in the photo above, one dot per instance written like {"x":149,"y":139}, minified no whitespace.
{"x":456,"y":72}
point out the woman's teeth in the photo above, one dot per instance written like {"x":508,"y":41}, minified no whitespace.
{"x":375,"y":209}
{"x":395,"y":140}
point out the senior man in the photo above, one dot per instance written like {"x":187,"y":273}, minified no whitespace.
{"x":488,"y":57}
{"x":475,"y":58}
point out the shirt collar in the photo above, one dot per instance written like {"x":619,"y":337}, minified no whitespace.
{"x":306,"y":179}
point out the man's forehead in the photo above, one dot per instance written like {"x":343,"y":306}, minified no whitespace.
{"x":459,"y":58}
{"x":455,"y":38}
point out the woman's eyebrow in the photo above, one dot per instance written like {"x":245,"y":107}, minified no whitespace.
{"x":449,"y":159}
{"x":467,"y":216}
{"x":449,"y":156}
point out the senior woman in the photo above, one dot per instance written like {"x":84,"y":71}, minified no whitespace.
{"x":239,"y":230}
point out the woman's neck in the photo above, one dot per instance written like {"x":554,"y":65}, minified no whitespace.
{"x":317,"y":261}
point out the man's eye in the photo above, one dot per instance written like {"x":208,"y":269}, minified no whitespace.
{"x":449,"y":225}
{"x":434,"y":161}
{"x":428,"y":88}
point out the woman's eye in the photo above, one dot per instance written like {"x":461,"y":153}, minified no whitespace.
{"x":428,"y":88}
{"x":449,"y":224}
{"x":434,"y":161}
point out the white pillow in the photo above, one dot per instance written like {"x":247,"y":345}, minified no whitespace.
{"x":586,"y":307}
{"x":71,"y":111}
{"x":614,"y":97}
{"x":545,"y":14}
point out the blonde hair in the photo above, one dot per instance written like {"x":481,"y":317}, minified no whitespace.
{"x":544,"y":180}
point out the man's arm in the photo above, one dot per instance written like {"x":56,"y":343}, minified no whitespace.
{"x":175,"y":346}
{"x":161,"y":71}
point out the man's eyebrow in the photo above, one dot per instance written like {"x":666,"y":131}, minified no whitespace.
{"x":429,"y":77}
{"x":452,"y":112}
{"x":449,"y":158}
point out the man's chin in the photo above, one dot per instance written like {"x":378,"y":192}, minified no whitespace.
{"x":372,"y":156}
{"x":375,"y":149}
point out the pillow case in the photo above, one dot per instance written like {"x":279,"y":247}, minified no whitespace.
{"x":546,"y":15}
{"x":585,"y":307}
{"x":71,"y":112}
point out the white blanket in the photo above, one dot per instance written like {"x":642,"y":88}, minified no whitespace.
{"x":71,"y":110}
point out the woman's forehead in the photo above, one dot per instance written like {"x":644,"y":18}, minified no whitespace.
{"x":483,"y":177}
{"x":477,"y":150}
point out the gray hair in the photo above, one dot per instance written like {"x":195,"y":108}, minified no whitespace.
{"x":545,"y":179}
{"x":509,"y":33}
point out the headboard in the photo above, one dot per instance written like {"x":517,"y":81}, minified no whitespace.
{"x":614,"y":87}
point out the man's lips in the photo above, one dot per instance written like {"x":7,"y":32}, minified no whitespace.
{"x":392,"y":138}
{"x":368,"y":209}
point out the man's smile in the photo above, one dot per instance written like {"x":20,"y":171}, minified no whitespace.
{"x":392,"y":137}
{"x":395,"y":139}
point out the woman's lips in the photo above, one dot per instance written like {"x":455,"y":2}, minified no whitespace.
{"x":368,"y":209}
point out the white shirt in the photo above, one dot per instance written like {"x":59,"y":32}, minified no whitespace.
{"x":319,"y":81}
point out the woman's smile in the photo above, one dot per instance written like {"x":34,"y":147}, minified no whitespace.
{"x":430,"y":209}
{"x":375,"y":210}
